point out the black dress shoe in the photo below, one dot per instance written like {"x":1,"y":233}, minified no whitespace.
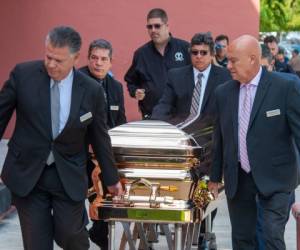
{"x":98,"y":234}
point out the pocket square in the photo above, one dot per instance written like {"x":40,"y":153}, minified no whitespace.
{"x":86,"y":116}
{"x":274,"y":112}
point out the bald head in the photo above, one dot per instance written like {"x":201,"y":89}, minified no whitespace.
{"x":244,"y":54}
{"x":248,"y":44}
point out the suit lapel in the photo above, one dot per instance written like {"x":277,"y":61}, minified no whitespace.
{"x":259,"y":96}
{"x":234,"y":107}
{"x":44,"y":95}
{"x":78,"y":90}
{"x":190,"y":82}
{"x":212,"y":79}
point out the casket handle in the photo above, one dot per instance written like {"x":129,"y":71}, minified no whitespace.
{"x":153,"y":187}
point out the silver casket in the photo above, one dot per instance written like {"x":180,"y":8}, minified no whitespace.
{"x":156,"y":161}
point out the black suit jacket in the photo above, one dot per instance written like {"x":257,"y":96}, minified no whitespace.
{"x":175,"y":104}
{"x":115,"y":99}
{"x":269,"y":139}
{"x":28,"y":92}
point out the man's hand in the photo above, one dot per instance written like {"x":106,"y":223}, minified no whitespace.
{"x":116,"y":189}
{"x":140,"y":94}
{"x":213,"y":187}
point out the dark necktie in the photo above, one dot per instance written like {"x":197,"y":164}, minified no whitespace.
{"x":103,"y":84}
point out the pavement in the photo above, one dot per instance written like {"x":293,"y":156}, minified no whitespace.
{"x":10,"y":234}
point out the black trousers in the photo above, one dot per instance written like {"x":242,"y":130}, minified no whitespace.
{"x":243,"y":215}
{"x":203,"y":228}
{"x":48,"y":214}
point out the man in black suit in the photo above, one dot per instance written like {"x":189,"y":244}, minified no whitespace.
{"x":258,"y":117}
{"x":176,"y":103}
{"x":267,"y":62}
{"x":57,"y":109}
{"x":99,"y":65}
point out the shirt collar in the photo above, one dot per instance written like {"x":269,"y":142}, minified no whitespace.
{"x":255,"y":80}
{"x":67,"y":78}
{"x":205,"y":72}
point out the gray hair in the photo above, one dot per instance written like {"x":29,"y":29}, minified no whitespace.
{"x":100,"y":44}
{"x":63,"y":36}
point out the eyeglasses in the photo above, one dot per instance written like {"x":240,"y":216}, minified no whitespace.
{"x":156,"y":26}
{"x":201,"y":52}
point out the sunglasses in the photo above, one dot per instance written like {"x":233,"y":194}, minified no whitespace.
{"x":156,"y":26}
{"x":201,"y":52}
{"x":219,"y":46}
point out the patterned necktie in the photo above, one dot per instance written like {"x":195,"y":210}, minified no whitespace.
{"x":195,"y":99}
{"x":243,"y":128}
{"x":55,"y":109}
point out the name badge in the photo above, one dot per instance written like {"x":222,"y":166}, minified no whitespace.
{"x":114,"y":107}
{"x":86,"y":116}
{"x":274,"y":112}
